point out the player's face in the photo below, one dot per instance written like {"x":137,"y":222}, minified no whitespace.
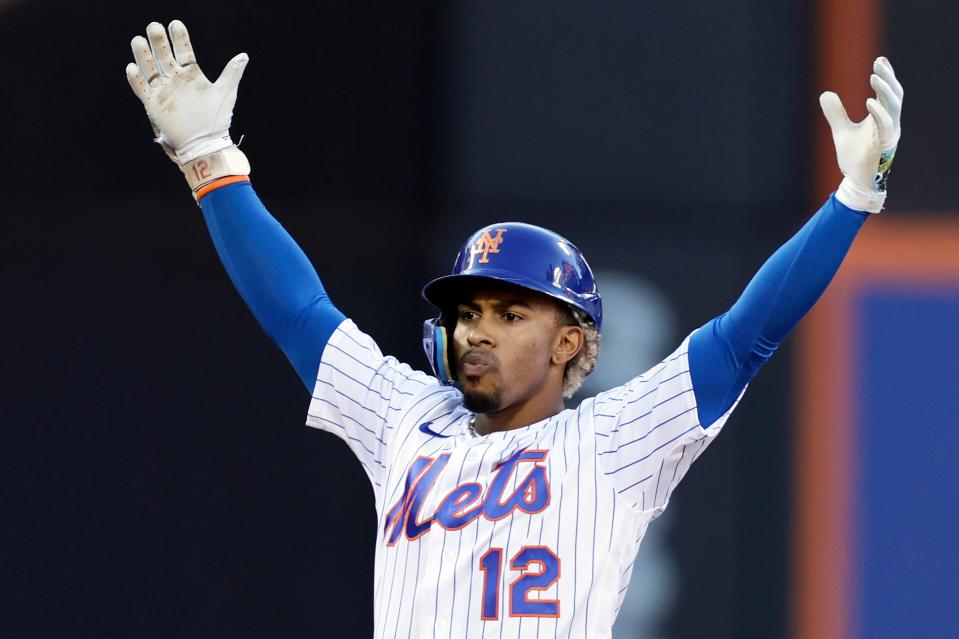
{"x":511,"y":345}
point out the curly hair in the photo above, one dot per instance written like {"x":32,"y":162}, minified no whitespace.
{"x":585,"y":361}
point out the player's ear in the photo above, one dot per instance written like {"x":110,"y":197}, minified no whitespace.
{"x":569,"y":342}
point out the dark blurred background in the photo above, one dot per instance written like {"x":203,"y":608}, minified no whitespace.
{"x":156,"y":478}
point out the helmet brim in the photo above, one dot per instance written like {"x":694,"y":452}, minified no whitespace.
{"x":448,"y":291}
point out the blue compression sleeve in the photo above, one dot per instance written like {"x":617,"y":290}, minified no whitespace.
{"x":728,"y":351}
{"x":272,"y":275}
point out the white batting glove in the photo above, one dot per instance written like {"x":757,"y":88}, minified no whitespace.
{"x":190,"y":115}
{"x":865,"y":150}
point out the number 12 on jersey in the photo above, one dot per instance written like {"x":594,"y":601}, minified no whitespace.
{"x":528,"y":559}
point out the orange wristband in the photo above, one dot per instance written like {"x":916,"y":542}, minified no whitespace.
{"x":212,"y":186}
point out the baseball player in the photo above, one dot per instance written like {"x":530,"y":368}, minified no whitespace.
{"x":500,"y":511}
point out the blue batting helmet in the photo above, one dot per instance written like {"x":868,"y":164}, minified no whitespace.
{"x":522,"y":254}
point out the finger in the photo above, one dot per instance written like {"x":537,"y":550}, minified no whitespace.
{"x":162,"y":52}
{"x":180,"y":39}
{"x":137,"y":82}
{"x":884,"y":70}
{"x":233,"y":71}
{"x":834,"y":111}
{"x":886,"y":96}
{"x":887,"y":131}
{"x":144,"y":58}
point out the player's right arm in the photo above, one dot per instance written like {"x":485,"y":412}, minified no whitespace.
{"x":191,"y":119}
{"x":355,"y":388}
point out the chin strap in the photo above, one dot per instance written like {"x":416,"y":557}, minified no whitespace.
{"x":435,"y":345}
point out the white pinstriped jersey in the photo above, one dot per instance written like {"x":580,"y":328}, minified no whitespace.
{"x":530,"y":532}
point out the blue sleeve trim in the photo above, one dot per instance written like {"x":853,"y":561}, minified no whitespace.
{"x":272,"y":275}
{"x":729,"y":350}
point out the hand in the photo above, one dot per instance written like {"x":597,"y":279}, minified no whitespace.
{"x":865,"y":149}
{"x":190,"y":115}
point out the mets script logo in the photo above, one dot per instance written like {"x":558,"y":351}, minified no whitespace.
{"x":487,"y":244}
{"x":468,"y":502}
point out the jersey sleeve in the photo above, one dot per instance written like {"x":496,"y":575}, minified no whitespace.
{"x":648,"y":432}
{"x":359,"y":395}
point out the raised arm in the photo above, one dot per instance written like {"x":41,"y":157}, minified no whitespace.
{"x":728,"y":351}
{"x":272,"y":275}
{"x":191,"y":120}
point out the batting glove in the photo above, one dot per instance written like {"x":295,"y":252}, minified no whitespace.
{"x":865,"y":150}
{"x":190,"y":115}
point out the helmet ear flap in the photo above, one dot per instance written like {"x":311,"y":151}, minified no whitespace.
{"x":436,"y":345}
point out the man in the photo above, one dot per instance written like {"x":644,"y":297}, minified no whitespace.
{"x":499,"y":510}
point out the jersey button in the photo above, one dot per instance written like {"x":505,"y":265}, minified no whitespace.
{"x":440,"y":626}
{"x":449,"y":555}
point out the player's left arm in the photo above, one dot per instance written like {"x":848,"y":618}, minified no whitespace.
{"x":728,"y":351}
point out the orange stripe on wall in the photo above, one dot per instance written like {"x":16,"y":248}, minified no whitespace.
{"x":847,"y":35}
{"x":821,"y":527}
{"x":846,"y":43}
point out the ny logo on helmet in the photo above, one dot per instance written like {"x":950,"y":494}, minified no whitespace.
{"x":487,"y":244}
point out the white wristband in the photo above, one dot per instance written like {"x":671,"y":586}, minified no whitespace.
{"x":204,"y":146}
{"x":209,"y":168}
{"x":857,"y":199}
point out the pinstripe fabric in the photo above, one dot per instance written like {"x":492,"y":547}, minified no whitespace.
{"x":575,"y":492}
